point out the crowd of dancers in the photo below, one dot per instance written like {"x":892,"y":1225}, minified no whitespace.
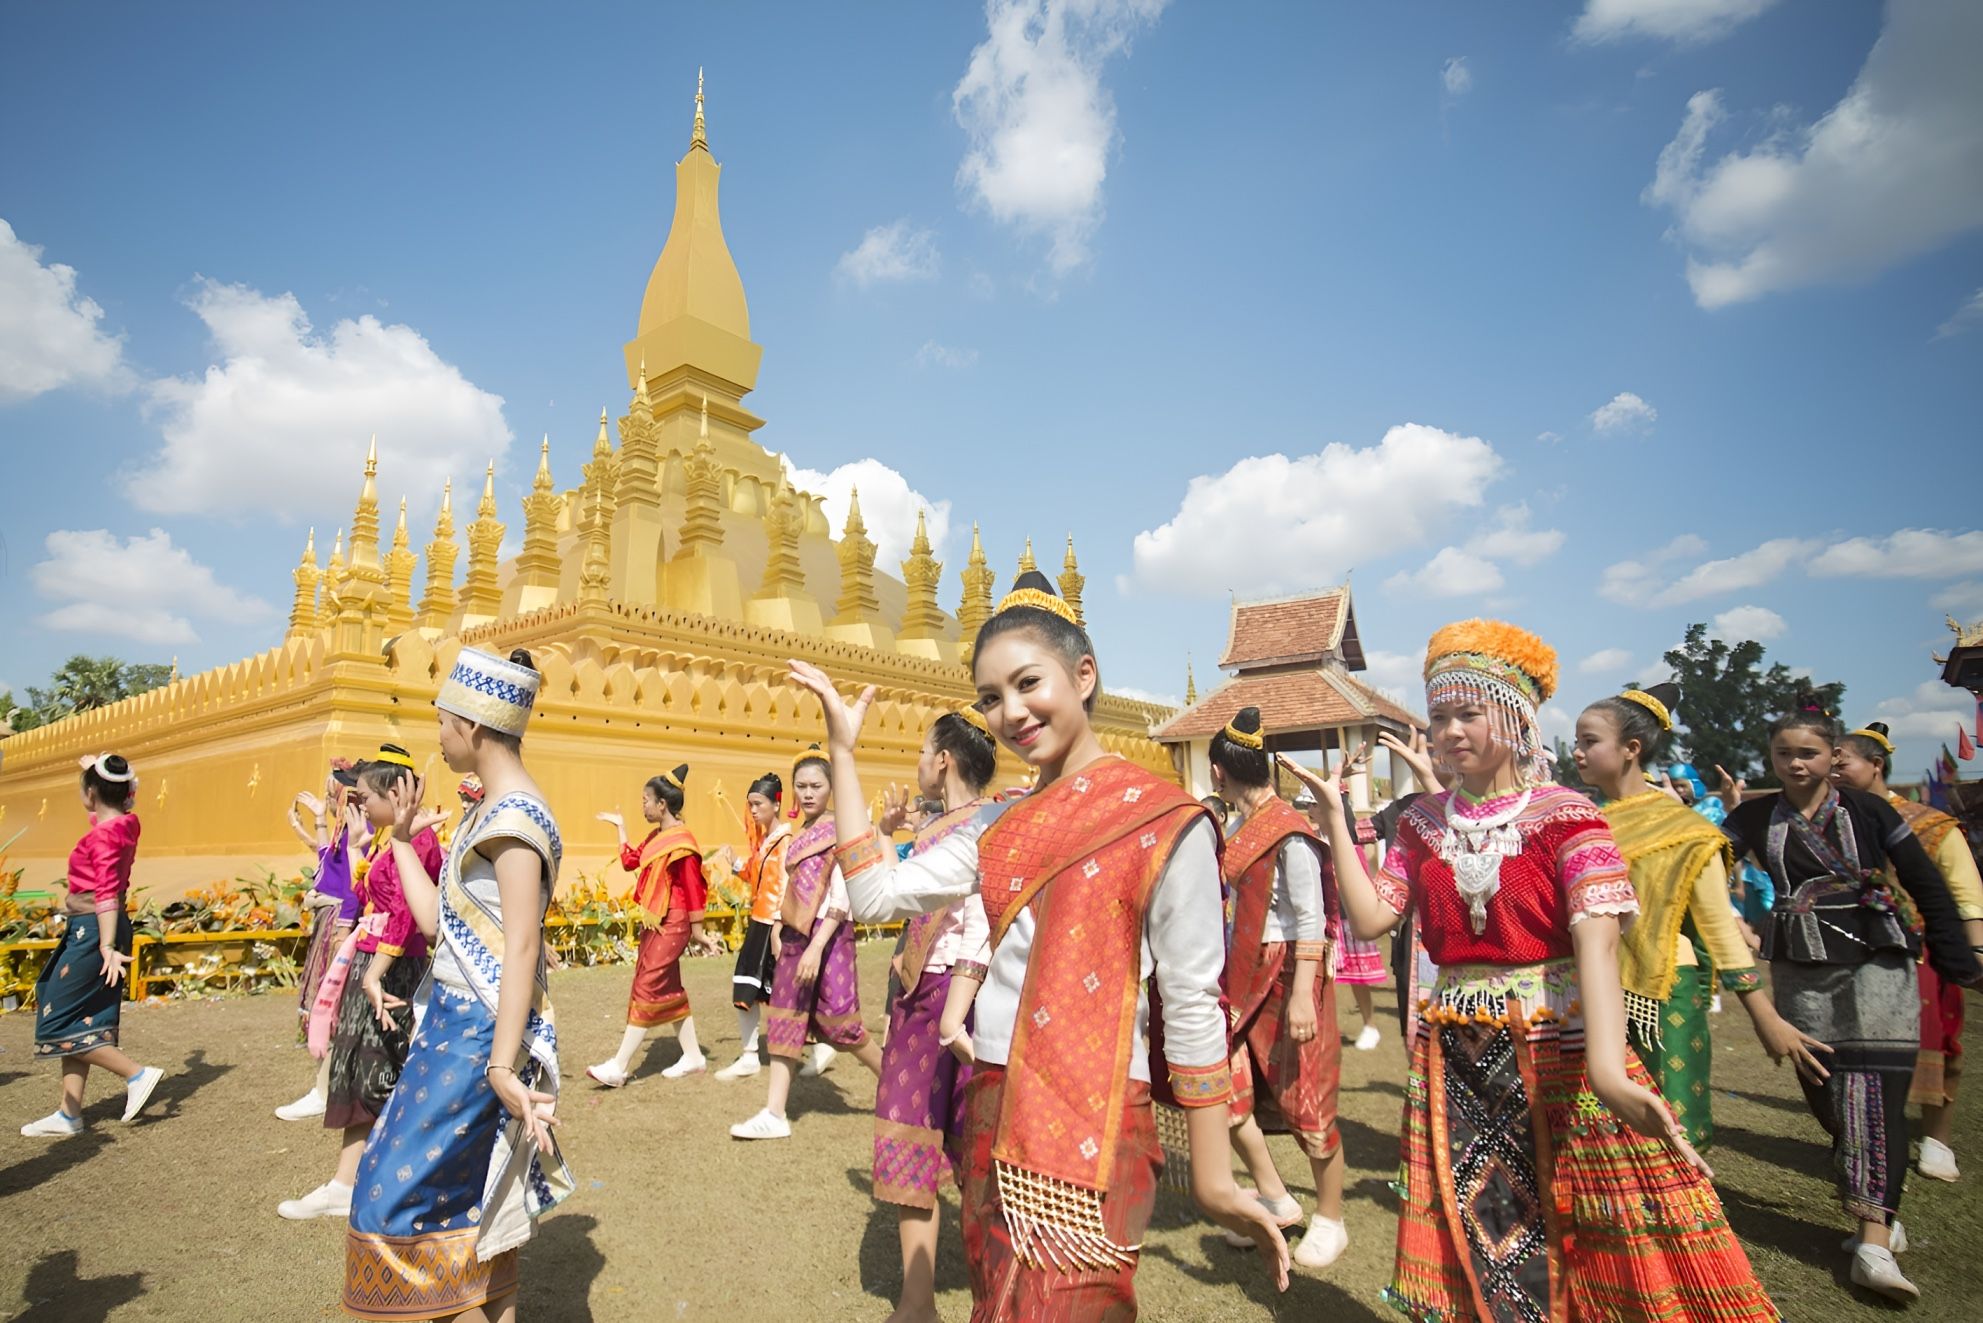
{"x":1099,"y":975}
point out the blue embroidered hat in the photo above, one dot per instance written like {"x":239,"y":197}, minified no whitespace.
{"x":489,"y":691}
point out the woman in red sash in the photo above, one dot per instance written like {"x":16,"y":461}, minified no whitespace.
{"x":816,"y":985}
{"x":670,"y":890}
{"x":1287,"y":1057}
{"x":1102,"y":878}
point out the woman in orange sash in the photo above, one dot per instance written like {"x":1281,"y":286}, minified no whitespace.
{"x":669,"y":888}
{"x":1102,"y":878}
{"x":1285,"y":1068}
{"x":766,"y":836}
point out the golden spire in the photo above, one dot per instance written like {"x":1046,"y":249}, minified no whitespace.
{"x":1190,"y":683}
{"x":601,"y":468}
{"x":438,"y":602}
{"x":922,"y":618}
{"x":976,"y":607}
{"x":699,"y":135}
{"x":783,"y":523}
{"x":702,"y":517}
{"x":481,"y":599}
{"x":1072,"y":581}
{"x":399,"y":576}
{"x":637,"y":471}
{"x":858,"y":601}
{"x":537,"y":563}
{"x":703,"y":433}
{"x":365,"y":520}
{"x":595,"y":575}
{"x":303,"y":612}
{"x":333,"y":582}
{"x":1026,"y":561}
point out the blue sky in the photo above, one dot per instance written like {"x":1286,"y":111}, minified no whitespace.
{"x":1604,"y":317}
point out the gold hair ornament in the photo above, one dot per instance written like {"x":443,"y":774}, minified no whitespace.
{"x":1247,"y":739}
{"x":1650,"y":704}
{"x":976,"y":718}
{"x":1039,"y":601}
{"x":1877,"y":738}
{"x":395,"y":757}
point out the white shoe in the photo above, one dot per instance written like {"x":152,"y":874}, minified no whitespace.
{"x":1323,"y":1244}
{"x":1714,"y":1004}
{"x":1369,"y":1038}
{"x":1287,"y":1212}
{"x":607,"y":1073}
{"x":1874,"y":1268}
{"x":328,"y":1200}
{"x":762,"y":1126}
{"x":137,"y":1090}
{"x":1937,"y":1161}
{"x":309,"y":1105}
{"x":742,"y":1068}
{"x":822,"y":1057}
{"x":58,"y":1124}
{"x":694,"y":1065}
{"x":1896,"y":1240}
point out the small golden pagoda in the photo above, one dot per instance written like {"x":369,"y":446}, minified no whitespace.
{"x":661,"y":598}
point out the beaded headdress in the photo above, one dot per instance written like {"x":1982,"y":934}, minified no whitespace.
{"x":490,"y":691}
{"x":1507,"y":670}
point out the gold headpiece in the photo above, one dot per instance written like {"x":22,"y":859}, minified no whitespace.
{"x":673,"y":780}
{"x":1250,"y":739}
{"x":813,"y":754}
{"x":976,"y":718}
{"x":397,"y":757}
{"x":1877,"y":738}
{"x":1650,"y":704}
{"x":1039,"y":601}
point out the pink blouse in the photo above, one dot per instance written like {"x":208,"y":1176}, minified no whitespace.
{"x":381,"y":893}
{"x":100,"y":865}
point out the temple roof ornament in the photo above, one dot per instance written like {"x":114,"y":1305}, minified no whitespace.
{"x":702,"y":517}
{"x":1190,"y":683}
{"x":303,"y":611}
{"x":1026,"y":562}
{"x":438,"y":603}
{"x":1072,"y":581}
{"x":699,"y":135}
{"x":922,"y":572}
{"x":858,"y":602}
{"x":333,"y":582}
{"x":537,"y":563}
{"x":783,"y":523}
{"x":399,"y":576}
{"x":481,"y":598}
{"x":976,"y":606}
{"x":365,"y":519}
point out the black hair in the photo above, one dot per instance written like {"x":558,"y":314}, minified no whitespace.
{"x":1871,"y":749}
{"x":1808,"y":713}
{"x":380,"y":776}
{"x":1218,"y":805}
{"x":1065,"y":639}
{"x":669,"y":792}
{"x":1242,"y":765}
{"x":115,"y":790}
{"x":1635,"y":721}
{"x":769,"y":786}
{"x":970,"y":748}
{"x":514,"y":743}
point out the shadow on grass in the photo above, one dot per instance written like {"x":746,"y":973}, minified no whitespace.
{"x":557,"y":1268}
{"x":9,"y":1076}
{"x":881,"y":1243}
{"x":178,"y":1086}
{"x":58,"y":1157}
{"x":54,"y":1293}
{"x":1307,"y":1297}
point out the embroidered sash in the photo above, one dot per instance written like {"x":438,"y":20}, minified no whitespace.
{"x":808,"y":869}
{"x":653,"y":885}
{"x":919,"y":938}
{"x":1843,"y":916}
{"x":522,"y":1182}
{"x":1252,"y":857}
{"x":1930,"y":825}
{"x":1666,"y":846}
{"x":1084,"y":852}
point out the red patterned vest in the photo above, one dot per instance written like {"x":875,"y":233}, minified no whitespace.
{"x":1251,"y":857}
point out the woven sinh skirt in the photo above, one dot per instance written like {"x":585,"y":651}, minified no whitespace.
{"x":1938,"y":1065}
{"x":365,"y":1056}
{"x":919,"y":1101}
{"x":830,"y":1009}
{"x":1681,"y":1060}
{"x":750,"y":985}
{"x":658,"y":997}
{"x":1360,"y":963}
{"x":75,"y":1011}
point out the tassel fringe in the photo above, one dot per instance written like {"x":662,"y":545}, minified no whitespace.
{"x":1056,"y":1224}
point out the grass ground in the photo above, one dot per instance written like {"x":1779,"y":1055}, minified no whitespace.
{"x":173,"y":1217}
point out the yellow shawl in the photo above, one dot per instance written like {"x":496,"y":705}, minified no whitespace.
{"x":1666,"y":846}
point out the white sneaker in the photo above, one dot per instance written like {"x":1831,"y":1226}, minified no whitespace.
{"x":742,"y":1068}
{"x":309,"y":1105}
{"x":1896,"y":1240}
{"x":1323,"y":1244}
{"x":1369,"y":1038}
{"x":328,"y":1200}
{"x":762,"y":1126}
{"x":1714,"y":1004}
{"x":1287,"y":1212}
{"x":1937,"y":1161}
{"x":607,"y":1073}
{"x":694,"y":1065}
{"x":137,"y":1090}
{"x":58,"y":1124}
{"x":822,"y":1057}
{"x":1874,"y":1268}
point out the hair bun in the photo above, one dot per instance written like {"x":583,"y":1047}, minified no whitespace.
{"x":1035,"y":580}
{"x":681,"y":773}
{"x":1879,"y":726}
{"x":1666,"y":692}
{"x":1247,"y":719}
{"x":521,"y":657}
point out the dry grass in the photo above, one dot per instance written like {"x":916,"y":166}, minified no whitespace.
{"x":174,"y":1217}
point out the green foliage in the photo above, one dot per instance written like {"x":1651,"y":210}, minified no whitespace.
{"x":82,"y":683}
{"x":1566,"y":768}
{"x":1728,"y":699}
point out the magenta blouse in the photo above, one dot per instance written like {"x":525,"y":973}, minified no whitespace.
{"x":100,"y":865}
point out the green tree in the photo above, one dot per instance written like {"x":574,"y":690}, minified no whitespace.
{"x":1566,"y":767}
{"x":1728,"y":700}
{"x":82,"y":683}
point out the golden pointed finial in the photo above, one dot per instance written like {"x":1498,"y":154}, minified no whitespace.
{"x":1068,"y":563}
{"x":447,"y":497}
{"x":602,"y":444}
{"x":372,"y":458}
{"x":487,"y":506}
{"x":337,"y":550}
{"x":855,"y":524}
{"x":640,"y":391}
{"x":977,"y":543}
{"x":704,"y":434}
{"x":542,"y":482}
{"x":310,"y":548}
{"x":1190,"y":683}
{"x":399,"y":532}
{"x":1072,"y":581}
{"x":976,"y":606}
{"x":920,"y":546}
{"x":175,"y":670}
{"x":699,"y":135}
{"x":1026,"y":561}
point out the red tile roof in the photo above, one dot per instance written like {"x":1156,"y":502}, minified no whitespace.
{"x":1325,"y":697}
{"x":1289,"y":631}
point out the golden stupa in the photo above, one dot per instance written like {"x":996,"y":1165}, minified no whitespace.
{"x":660,"y":598}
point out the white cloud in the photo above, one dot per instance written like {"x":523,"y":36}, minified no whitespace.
{"x":888,"y":507}
{"x":1912,"y":553}
{"x":1511,"y":538}
{"x":1965,"y":599}
{"x":1749,"y":622}
{"x":1399,"y":676}
{"x":1605,"y":661}
{"x":1633,"y":581}
{"x":1623,"y":412}
{"x":1557,"y":722}
{"x":1452,"y":572}
{"x":1894,"y":170}
{"x":1143,"y":695}
{"x":141,"y":588}
{"x":1456,"y":77}
{"x":1932,"y":711}
{"x":1968,"y":315}
{"x":1549,"y":438}
{"x":1673,"y":20}
{"x":892,"y":252}
{"x":49,"y":334}
{"x":1319,"y":513}
{"x":280,"y":425}
{"x":1751,"y":569}
{"x":1040,"y":123}
{"x":933,"y":354}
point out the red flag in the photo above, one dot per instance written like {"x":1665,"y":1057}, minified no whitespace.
{"x":1948,"y":764}
{"x":1963,"y":748}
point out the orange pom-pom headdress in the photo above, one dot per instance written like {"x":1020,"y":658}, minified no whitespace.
{"x":1503,"y":667}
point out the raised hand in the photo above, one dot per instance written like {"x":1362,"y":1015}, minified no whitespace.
{"x":1413,"y":755}
{"x":613,"y":819}
{"x":405,"y":797}
{"x":1328,"y":795}
{"x":310,"y":802}
{"x":843,"y":719}
{"x":1730,"y":789}
{"x":894,"y":810}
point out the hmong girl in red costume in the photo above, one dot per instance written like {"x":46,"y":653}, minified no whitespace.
{"x":1287,"y":1055}
{"x":669,"y":888}
{"x":1544,"y":1178}
{"x":1101,"y":878}
{"x":816,"y":985}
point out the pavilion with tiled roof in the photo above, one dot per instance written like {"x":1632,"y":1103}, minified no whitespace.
{"x":1294,"y":658}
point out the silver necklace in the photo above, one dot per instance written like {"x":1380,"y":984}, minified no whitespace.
{"x":1474,"y":849}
